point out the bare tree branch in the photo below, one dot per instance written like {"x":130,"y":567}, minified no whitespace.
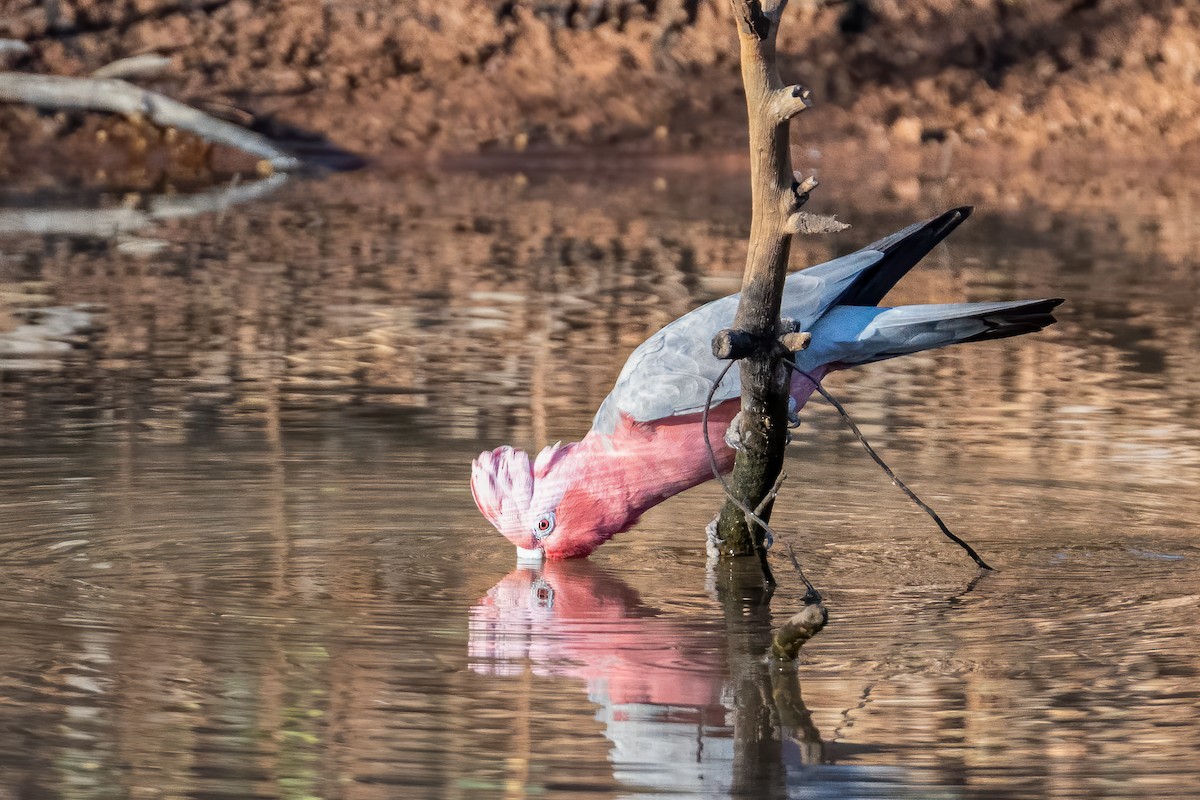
{"x":778,"y":194}
{"x":117,"y":96}
{"x":146,"y":65}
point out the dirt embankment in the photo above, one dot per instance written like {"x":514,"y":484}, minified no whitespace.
{"x":385,"y":76}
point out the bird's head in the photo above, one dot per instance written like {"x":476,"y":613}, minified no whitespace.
{"x":553,"y":507}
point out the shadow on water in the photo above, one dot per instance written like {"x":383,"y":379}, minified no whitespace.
{"x":240,"y":555}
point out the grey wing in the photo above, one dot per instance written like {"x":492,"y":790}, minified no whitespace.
{"x":672,"y":372}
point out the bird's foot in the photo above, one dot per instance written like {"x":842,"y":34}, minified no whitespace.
{"x":793,"y":413}
{"x":733,"y":434}
{"x":712,"y":541}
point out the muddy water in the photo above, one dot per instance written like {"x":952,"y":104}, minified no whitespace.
{"x":239,"y":556}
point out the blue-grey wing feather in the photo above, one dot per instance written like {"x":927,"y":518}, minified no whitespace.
{"x":861,"y":334}
{"x":672,"y":372}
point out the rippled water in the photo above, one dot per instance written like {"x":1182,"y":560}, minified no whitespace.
{"x":240,"y":557}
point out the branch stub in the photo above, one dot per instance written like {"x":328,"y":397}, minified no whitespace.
{"x":803,"y":222}
{"x":791,"y":101}
{"x":731,"y":344}
{"x":796,"y":341}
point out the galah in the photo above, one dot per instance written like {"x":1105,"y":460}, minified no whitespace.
{"x":646,"y":442}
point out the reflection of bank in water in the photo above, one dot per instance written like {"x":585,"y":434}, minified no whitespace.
{"x":36,"y":338}
{"x":354,"y":293}
{"x":662,"y":686}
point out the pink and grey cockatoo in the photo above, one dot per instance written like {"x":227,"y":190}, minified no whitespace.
{"x":646,"y":443}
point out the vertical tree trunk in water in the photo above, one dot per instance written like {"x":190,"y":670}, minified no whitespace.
{"x":777,"y":198}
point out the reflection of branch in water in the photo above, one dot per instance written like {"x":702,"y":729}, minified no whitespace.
{"x":48,"y":332}
{"x":45,"y":335}
{"x":794,"y":714}
{"x":955,"y":599}
{"x":839,"y":731}
{"x":769,"y":710}
{"x":113,"y":222}
{"x":219,"y":199}
{"x":949,"y":603}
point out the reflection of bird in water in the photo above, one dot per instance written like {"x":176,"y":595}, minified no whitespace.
{"x":646,"y":443}
{"x":659,"y":683}
{"x":572,"y":619}
{"x":673,"y":696}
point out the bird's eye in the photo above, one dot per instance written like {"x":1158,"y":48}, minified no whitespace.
{"x":544,"y":525}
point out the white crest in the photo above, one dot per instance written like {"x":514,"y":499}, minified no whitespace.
{"x":511,"y":492}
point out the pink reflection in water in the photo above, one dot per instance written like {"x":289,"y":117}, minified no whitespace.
{"x":660,"y":685}
{"x":570,"y":619}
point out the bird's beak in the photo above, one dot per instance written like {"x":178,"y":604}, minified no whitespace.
{"x":533,"y":556}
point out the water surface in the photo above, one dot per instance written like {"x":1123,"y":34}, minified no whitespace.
{"x":240,"y":556}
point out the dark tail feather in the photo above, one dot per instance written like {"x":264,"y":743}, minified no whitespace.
{"x":912,"y":329}
{"x":1028,"y":318}
{"x":901,"y":252}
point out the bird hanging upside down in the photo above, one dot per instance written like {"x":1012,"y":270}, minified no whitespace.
{"x":646,"y":442}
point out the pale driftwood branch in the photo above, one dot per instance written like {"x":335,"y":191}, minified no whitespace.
{"x":146,"y":65}
{"x":116,"y":96}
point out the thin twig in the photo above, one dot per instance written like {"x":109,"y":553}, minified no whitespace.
{"x":811,"y":595}
{"x":771,"y":495}
{"x":921,"y":504}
